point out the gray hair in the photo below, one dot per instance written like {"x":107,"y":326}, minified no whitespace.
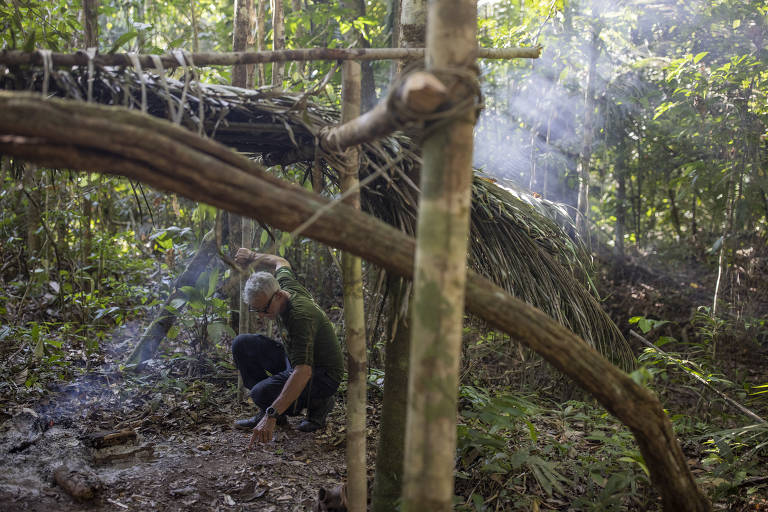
{"x":260,"y":285}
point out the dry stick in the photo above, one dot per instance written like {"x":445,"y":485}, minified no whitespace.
{"x":722,"y":395}
{"x":16,"y":57}
{"x":242,"y":186}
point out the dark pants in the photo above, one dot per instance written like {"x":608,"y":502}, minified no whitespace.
{"x":265,"y":370}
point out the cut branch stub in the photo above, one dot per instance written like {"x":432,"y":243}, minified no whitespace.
{"x":418,"y":95}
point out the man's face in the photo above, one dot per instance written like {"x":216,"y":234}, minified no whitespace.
{"x":264,"y":308}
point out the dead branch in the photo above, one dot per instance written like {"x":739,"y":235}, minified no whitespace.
{"x":105,"y":439}
{"x":17,"y":58}
{"x":72,"y":135}
{"x":81,"y":486}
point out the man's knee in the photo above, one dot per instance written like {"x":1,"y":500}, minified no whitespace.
{"x":238,"y":343}
{"x":262,"y":395}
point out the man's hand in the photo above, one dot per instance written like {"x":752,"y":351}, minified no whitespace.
{"x":264,"y":431}
{"x":244,"y":256}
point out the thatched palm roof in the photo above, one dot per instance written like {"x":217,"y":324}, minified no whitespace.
{"x":518,"y":241}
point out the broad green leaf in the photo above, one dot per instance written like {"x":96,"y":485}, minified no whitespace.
{"x":122,"y":40}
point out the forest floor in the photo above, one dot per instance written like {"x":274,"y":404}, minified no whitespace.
{"x":187,"y":456}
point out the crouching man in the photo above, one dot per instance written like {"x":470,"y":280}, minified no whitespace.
{"x":284,"y":380}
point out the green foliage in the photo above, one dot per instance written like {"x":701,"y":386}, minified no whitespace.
{"x":735,"y":455}
{"x":52,"y":24}
{"x":511,"y":450}
{"x":202,"y":314}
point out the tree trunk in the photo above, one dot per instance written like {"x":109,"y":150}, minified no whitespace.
{"x":261,"y":36}
{"x":354,"y":315}
{"x":65,"y":134}
{"x":33,"y":210}
{"x":91,"y":23}
{"x":240,"y":40}
{"x":195,"y":27}
{"x":413,"y":22}
{"x":722,"y":260}
{"x":674,"y":213}
{"x":86,"y":240}
{"x":440,"y":270}
{"x":621,"y":207}
{"x":164,"y":320}
{"x":240,"y":79}
{"x":278,"y":41}
{"x":586,"y":145}
{"x":388,"y":480}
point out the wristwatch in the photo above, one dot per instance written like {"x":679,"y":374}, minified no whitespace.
{"x":272,"y":412}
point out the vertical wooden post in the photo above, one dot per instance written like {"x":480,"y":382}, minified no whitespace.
{"x":440,"y":267}
{"x":354,"y":314}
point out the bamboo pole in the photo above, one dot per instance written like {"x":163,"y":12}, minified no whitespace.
{"x":19,"y":58}
{"x":65,"y":134}
{"x":440,"y":267}
{"x":354,"y":311}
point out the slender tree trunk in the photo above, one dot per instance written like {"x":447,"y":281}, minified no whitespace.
{"x":240,"y":40}
{"x":250,"y":42}
{"x":86,"y":234}
{"x":240,"y":79}
{"x":722,"y":260}
{"x":413,"y":23}
{"x":396,"y":9}
{"x":586,"y":145}
{"x":30,"y":181}
{"x":621,"y":207}
{"x":674,"y":213}
{"x":440,"y":271}
{"x":195,"y":27}
{"x":91,"y":23}
{"x":278,"y":41}
{"x":354,"y":316}
{"x":261,"y":36}
{"x":388,"y":481}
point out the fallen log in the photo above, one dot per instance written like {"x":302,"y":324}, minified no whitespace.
{"x":147,"y":450}
{"x":81,"y":486}
{"x":100,"y":440}
{"x":63,"y":134}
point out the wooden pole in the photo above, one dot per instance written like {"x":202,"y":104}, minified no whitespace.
{"x":441,"y":264}
{"x":354,"y":312}
{"x":18,"y":58}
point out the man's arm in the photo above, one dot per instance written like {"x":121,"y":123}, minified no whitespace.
{"x":260,"y":260}
{"x":289,"y":394}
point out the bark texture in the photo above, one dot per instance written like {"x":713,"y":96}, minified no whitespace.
{"x":91,"y":23}
{"x":65,"y":134}
{"x":240,"y":40}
